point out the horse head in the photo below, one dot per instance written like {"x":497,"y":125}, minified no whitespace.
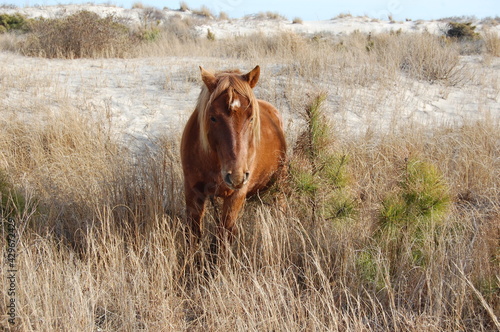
{"x":230,"y":123}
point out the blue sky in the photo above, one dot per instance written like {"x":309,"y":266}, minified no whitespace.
{"x":317,"y":9}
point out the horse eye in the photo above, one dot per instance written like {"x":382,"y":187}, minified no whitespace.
{"x":213,"y":119}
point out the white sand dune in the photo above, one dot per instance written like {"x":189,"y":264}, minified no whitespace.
{"x":145,"y":98}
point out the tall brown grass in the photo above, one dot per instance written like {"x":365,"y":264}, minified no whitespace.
{"x":101,"y":246}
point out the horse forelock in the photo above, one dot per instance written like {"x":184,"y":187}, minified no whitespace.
{"x":232,"y":83}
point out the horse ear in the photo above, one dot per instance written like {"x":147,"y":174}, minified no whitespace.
{"x":253,"y":77}
{"x":209,"y":79}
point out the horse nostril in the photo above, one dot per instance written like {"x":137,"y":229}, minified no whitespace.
{"x":247,"y":176}
{"x":227,"y":179}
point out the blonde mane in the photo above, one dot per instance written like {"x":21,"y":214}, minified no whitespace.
{"x":226,"y":81}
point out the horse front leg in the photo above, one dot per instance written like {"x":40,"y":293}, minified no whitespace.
{"x":227,"y":230}
{"x":195,"y":209}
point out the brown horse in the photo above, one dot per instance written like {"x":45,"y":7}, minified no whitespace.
{"x":233,"y":146}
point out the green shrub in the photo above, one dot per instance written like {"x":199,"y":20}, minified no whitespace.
{"x":318,"y":174}
{"x":461,"y":31}
{"x":149,"y":34}
{"x":370,"y":266}
{"x":210,"y":35}
{"x":82,"y":35}
{"x":13,"y":22}
{"x":422,"y":197}
{"x":410,"y":225}
{"x":413,"y":214}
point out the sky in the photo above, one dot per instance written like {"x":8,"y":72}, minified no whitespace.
{"x":312,"y":10}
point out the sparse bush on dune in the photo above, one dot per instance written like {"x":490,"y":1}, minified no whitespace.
{"x":223,"y":16}
{"x":82,"y":35}
{"x":464,"y":35}
{"x":205,"y":12}
{"x":179,"y":29}
{"x":270,"y":15}
{"x":151,"y":15}
{"x":137,"y":5}
{"x":183,"y":6}
{"x":421,"y":56}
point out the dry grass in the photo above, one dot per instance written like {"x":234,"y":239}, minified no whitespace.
{"x":97,"y":251}
{"x":492,"y":43}
{"x":205,"y":12}
{"x":101,"y":242}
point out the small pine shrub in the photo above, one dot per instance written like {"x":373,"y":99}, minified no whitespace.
{"x":462,"y":31}
{"x":422,"y":196}
{"x":414,"y":212}
{"x":16,"y":22}
{"x":318,"y":175}
{"x":210,"y":35}
{"x":370,"y":267}
{"x":410,"y":222}
{"x":149,"y":34}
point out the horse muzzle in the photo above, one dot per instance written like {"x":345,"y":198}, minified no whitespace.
{"x":236,"y":180}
